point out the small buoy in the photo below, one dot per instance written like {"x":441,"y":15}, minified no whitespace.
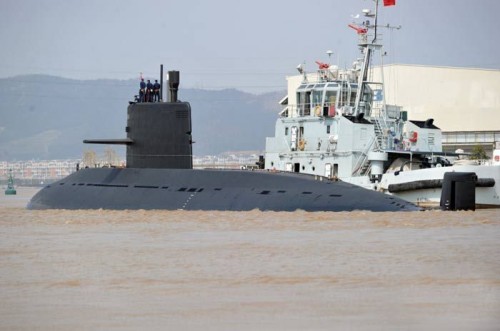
{"x":10,"y":186}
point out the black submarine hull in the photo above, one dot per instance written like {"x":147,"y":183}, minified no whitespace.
{"x":228,"y":190}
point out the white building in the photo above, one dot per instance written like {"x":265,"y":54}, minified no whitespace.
{"x":464,"y":102}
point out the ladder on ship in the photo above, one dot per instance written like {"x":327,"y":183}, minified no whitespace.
{"x":380,"y":132}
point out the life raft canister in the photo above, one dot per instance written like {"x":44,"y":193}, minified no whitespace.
{"x":413,"y":137}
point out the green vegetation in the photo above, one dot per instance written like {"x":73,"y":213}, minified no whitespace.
{"x":478,"y":153}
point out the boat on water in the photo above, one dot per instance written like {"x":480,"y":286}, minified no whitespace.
{"x":335,"y":123}
{"x":159,"y":174}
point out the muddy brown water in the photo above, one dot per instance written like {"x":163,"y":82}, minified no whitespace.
{"x":178,"y":270}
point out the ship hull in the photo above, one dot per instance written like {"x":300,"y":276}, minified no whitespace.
{"x":186,"y":189}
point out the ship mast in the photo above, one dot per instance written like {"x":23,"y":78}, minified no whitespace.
{"x":367,"y":48}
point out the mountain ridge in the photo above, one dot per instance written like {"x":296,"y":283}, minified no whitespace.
{"x":48,"y":117}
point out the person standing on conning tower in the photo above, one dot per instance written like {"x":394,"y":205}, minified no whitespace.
{"x":156,"y":91}
{"x":149,"y":91}
{"x":142,"y":90}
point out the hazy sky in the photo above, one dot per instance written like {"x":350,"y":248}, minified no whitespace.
{"x":249,"y":45}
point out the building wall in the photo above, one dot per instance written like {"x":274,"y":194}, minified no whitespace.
{"x":459,"y":99}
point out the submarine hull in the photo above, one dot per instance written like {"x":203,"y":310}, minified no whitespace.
{"x":187,"y":189}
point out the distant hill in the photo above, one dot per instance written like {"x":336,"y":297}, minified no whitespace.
{"x":46,"y":117}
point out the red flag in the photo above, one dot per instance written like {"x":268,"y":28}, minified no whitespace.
{"x":389,"y":2}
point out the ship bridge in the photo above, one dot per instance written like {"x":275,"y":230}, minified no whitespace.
{"x":326,"y":93}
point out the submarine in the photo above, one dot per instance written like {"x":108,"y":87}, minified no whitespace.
{"x":159,"y":174}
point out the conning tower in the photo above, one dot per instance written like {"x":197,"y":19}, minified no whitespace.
{"x":158,"y":133}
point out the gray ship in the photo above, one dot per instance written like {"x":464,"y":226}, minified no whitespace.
{"x":159,"y":174}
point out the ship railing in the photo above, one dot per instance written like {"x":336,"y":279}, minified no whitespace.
{"x":304,"y":109}
{"x":292,"y":111}
{"x":326,"y":109}
{"x":327,"y":75}
{"x":384,"y":117}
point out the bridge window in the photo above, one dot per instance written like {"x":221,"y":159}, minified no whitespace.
{"x":330,"y":99}
{"x":317,"y":96}
{"x":344,"y":95}
{"x":352,"y":100}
